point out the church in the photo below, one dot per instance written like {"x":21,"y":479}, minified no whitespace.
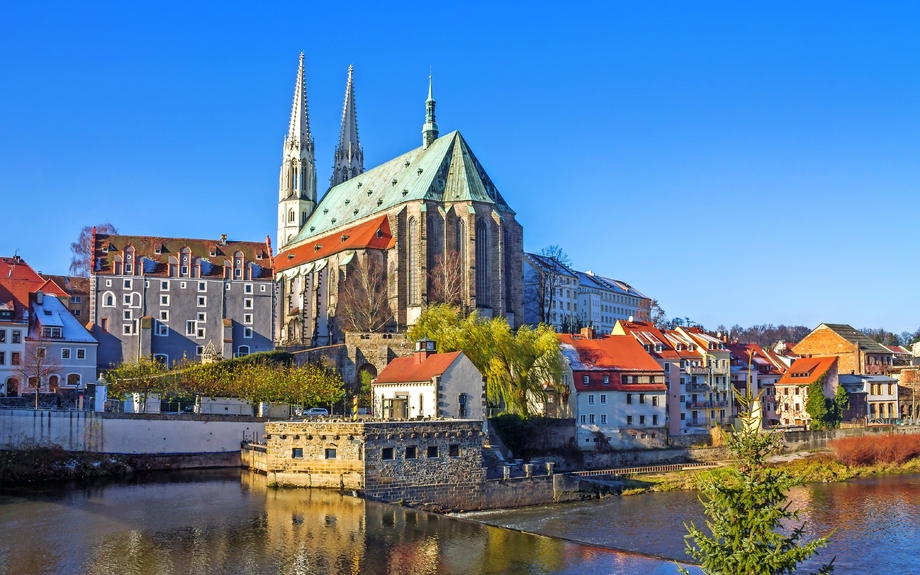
{"x":429,"y":225}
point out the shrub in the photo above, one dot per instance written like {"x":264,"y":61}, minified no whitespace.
{"x":871,"y":449}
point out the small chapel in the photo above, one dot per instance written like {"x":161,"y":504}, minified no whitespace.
{"x":429,"y":225}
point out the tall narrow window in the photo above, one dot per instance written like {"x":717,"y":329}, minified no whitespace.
{"x":482,"y":264}
{"x":508,"y":273}
{"x":412,"y":262}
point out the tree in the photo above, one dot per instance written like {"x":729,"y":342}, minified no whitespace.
{"x":446,"y":279}
{"x":37,"y":365}
{"x":748,"y":512}
{"x":81,"y":262}
{"x":543,"y":285}
{"x":146,"y":377}
{"x":657,"y":315}
{"x":841,"y":403}
{"x":817,"y":405}
{"x":363,"y":304}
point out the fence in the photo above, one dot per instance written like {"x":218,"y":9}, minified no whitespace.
{"x":622,"y":471}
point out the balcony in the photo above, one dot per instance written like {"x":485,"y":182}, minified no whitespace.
{"x":696,"y":387}
{"x":696,"y":370}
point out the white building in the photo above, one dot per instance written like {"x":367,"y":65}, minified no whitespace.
{"x":68,"y":345}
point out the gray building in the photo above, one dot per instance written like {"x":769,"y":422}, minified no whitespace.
{"x":70,"y":348}
{"x":167,"y":298}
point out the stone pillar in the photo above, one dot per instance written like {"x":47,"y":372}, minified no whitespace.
{"x":528,"y":469}
{"x":507,"y":471}
{"x":549,"y":467}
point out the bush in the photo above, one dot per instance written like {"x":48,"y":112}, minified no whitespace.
{"x":511,"y":428}
{"x":871,"y":449}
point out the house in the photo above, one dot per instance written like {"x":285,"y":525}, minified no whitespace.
{"x":62,"y":339}
{"x":756,"y":370}
{"x":881,"y":397}
{"x":857,"y":352}
{"x":77,"y":290}
{"x":662,"y":349}
{"x":430,"y":385}
{"x":167,"y":298}
{"x":792,"y":387}
{"x":550,"y":292}
{"x":705,"y":370}
{"x":619,"y":391}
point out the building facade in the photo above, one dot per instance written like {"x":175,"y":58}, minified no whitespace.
{"x":167,"y":298}
{"x":857,"y":352}
{"x":65,"y":343}
{"x":792,"y":388}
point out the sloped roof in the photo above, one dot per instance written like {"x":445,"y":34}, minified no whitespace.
{"x":70,"y":284}
{"x":548,"y":264}
{"x":357,"y":237}
{"x":409,"y":370}
{"x":17,"y":281}
{"x":853,"y":335}
{"x":53,"y":313}
{"x":619,"y":352}
{"x":157,"y":264}
{"x":647,"y":334}
{"x":807,"y":370}
{"x":445,"y":171}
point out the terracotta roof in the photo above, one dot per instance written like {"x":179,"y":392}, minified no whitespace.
{"x":357,"y":237}
{"x":146,"y":249}
{"x":17,"y":281}
{"x":407,"y":369}
{"x":807,"y":370}
{"x":647,"y":334}
{"x":70,"y":284}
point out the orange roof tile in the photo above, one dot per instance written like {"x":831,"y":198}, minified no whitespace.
{"x":621,"y":352}
{"x":357,"y":237}
{"x":408,"y":369}
{"x":807,"y":370}
{"x":647,"y":333}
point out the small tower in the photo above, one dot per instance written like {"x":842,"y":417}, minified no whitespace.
{"x":349,"y":156}
{"x":430,"y":129}
{"x":297,"y":182}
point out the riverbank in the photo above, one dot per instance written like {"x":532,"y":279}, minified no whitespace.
{"x":818,"y":467}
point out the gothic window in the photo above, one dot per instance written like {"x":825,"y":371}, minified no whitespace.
{"x":482,"y":263}
{"x":460,"y":243}
{"x":412,"y":262}
{"x":291,"y":216}
{"x":506,"y":277}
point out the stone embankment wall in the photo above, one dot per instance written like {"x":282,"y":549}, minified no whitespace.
{"x":811,"y":440}
{"x":359,"y":351}
{"x":128,"y":433}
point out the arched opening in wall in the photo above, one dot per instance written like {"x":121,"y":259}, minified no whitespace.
{"x":53,"y":382}
{"x":135,"y":300}
{"x":366,"y":374}
{"x":412,"y":262}
{"x":508,"y":273}
{"x":161,"y":358}
{"x":292,"y":216}
{"x":12,"y":387}
{"x":460,"y":242}
{"x":242,"y":351}
{"x":482,"y":264}
{"x":108,"y":299}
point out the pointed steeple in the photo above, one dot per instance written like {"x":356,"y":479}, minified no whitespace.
{"x":349,"y":156}
{"x":297,"y":182}
{"x":430,"y":129}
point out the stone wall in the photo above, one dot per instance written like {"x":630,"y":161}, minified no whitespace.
{"x":812,"y":440}
{"x":359,"y":351}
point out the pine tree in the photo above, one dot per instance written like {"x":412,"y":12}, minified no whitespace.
{"x":747,"y":510}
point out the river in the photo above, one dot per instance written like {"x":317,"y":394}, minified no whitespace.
{"x":221,"y":522}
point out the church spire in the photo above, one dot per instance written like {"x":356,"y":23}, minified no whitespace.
{"x":430,"y":129}
{"x":297,"y":181}
{"x":349,"y":156}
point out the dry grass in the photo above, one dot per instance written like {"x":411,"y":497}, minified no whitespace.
{"x":875,"y":449}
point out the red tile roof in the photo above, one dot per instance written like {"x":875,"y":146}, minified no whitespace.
{"x":618,"y":355}
{"x":408,"y":369}
{"x":647,"y":334}
{"x":807,"y":370}
{"x":357,"y":237}
{"x":17,"y":281}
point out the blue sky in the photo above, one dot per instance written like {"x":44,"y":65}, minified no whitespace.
{"x":742,"y":163}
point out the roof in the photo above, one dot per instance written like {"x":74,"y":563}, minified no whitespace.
{"x":17,"y":281}
{"x":853,"y":335}
{"x":445,"y":171}
{"x":807,"y":370}
{"x":618,"y":285}
{"x":617,"y":352}
{"x":154,"y":253}
{"x":53,"y":313}
{"x":647,"y":334}
{"x":358,"y":237}
{"x":409,"y":370}
{"x":548,"y":264}
{"x":70,"y":284}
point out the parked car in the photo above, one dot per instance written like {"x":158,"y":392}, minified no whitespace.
{"x":316,"y":412}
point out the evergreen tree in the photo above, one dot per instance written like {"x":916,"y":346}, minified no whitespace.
{"x":747,"y":510}
{"x":816,"y":405}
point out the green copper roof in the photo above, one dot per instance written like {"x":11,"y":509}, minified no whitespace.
{"x":446,"y":171}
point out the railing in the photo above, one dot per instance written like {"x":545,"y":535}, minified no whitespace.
{"x":644,"y":470}
{"x":696,"y":370}
{"x":691,"y":387}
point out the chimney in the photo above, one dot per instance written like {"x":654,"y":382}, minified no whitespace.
{"x":589,"y":333}
{"x":424,"y":348}
{"x":223,"y":239}
{"x":39,"y":297}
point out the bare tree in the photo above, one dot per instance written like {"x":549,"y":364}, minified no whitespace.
{"x":37,"y":365}
{"x":447,"y":279}
{"x":657,"y":316}
{"x":363,"y":304}
{"x":81,"y":262}
{"x":542,"y":287}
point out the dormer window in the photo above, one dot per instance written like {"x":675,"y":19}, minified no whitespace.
{"x":379,"y":234}
{"x":658,"y":347}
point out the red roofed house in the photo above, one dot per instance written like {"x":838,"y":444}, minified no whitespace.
{"x":792,"y":388}
{"x":753,"y":366}
{"x":620,"y":392}
{"x":430,"y":385}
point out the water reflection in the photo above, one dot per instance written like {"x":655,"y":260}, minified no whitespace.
{"x":209,"y":523}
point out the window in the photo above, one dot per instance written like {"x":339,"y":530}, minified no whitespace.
{"x":202,"y":301}
{"x":655,"y":400}
{"x":237,"y":272}
{"x":453,"y":450}
{"x":411,"y":452}
{"x":127,"y":329}
{"x":108,"y":299}
{"x":641,"y":398}
{"x":76,"y":299}
{"x":386,"y":453}
{"x":641,"y":420}
{"x":127,"y":299}
{"x":199,"y":349}
{"x":629,"y":398}
{"x":247,"y":332}
{"x":202,"y":316}
{"x":202,"y":286}
{"x":683,"y":416}
{"x":591,"y":418}
{"x":585,"y":379}
{"x":16,"y":336}
{"x":81,"y":353}
{"x":606,"y":380}
{"x":73,"y":379}
{"x":242,"y":351}
{"x":2,"y":358}
{"x":76,"y":313}
{"x":247,"y":303}
{"x":667,"y":368}
{"x":65,"y":353}
{"x":247,"y":288}
{"x":162,"y":330}
{"x":330,"y":453}
{"x":127,"y":314}
{"x":629,"y":420}
{"x":161,"y":358}
{"x":297,"y":453}
{"x":164,"y":300}
{"x":591,"y":399}
{"x":227,"y":287}
{"x":584,"y":419}
{"x":200,"y":333}
{"x":190,"y":326}
{"x":247,"y":318}
{"x":262,"y":288}
{"x":164,"y":285}
{"x":127,"y":284}
{"x":603,"y":399}
{"x":182,"y":285}
{"x":603,"y":419}
{"x":2,"y":336}
{"x":654,"y":420}
{"x":164,"y":315}
{"x":482,"y":264}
